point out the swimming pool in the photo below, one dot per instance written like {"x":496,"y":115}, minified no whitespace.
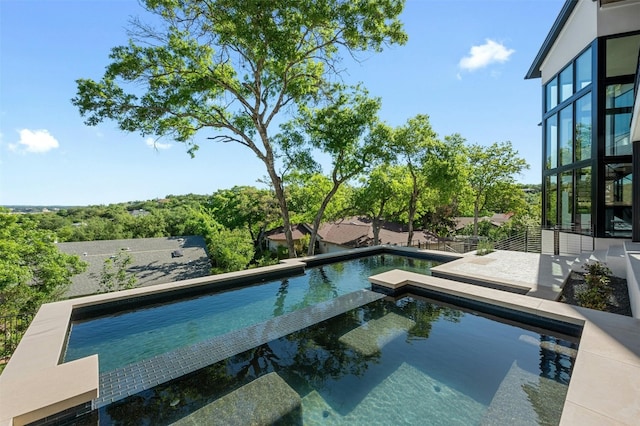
{"x":411,"y":360}
{"x":127,"y":337}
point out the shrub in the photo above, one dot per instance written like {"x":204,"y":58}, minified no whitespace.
{"x":484,"y":247}
{"x":598,"y":291}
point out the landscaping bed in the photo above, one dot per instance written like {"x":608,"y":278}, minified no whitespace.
{"x":618,"y":302}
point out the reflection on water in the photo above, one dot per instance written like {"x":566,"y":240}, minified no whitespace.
{"x":132,"y":336}
{"x":428,"y":361}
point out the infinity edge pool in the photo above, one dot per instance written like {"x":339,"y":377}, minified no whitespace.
{"x":35,"y":386}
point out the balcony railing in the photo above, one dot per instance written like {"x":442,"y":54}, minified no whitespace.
{"x":12,"y":329}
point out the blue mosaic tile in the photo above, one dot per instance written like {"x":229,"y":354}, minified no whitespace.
{"x":134,"y":378}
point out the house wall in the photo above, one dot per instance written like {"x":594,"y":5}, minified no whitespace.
{"x":579,"y":31}
{"x":587,"y":22}
{"x":331,"y":248}
{"x":619,"y":18}
{"x":273,"y":245}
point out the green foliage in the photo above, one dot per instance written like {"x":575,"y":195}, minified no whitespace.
{"x":246,"y":207}
{"x":596,"y":269}
{"x":598,"y":291}
{"x":307,"y":193}
{"x":377,"y":197}
{"x":491,"y":171}
{"x":231,"y":68}
{"x":230,"y":250}
{"x":344,"y":126}
{"x":114,"y":275}
{"x":32,"y":269}
{"x":440,"y":221}
{"x":266,"y":259}
{"x":484,"y":247}
{"x":433,"y":168}
{"x":302,"y":245}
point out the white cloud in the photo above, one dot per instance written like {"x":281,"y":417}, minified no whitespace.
{"x":151,"y":143}
{"x":36,"y":141}
{"x":484,"y":55}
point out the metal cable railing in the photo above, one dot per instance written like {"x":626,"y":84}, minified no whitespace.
{"x":12,"y":328}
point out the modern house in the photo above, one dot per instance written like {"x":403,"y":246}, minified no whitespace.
{"x":589,"y":69}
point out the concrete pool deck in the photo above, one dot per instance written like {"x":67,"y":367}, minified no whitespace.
{"x":604,"y":389}
{"x":605,"y":383}
{"x":537,"y":275}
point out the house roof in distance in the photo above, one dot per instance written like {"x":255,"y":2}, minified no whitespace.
{"x":297,"y":231}
{"x":354,"y":232}
{"x":498,"y":219}
{"x":153,"y":260}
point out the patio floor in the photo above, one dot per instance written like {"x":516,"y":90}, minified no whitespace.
{"x":537,"y":275}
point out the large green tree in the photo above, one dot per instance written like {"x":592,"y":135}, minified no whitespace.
{"x":346,"y":128}
{"x":377,"y":198}
{"x":431,"y":165}
{"x":231,"y":67}
{"x":245,"y":207}
{"x":491,"y":176}
{"x":32,"y":269}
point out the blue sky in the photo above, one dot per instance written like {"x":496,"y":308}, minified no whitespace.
{"x":464,"y":66}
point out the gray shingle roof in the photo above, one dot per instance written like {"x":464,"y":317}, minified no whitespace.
{"x":152,"y":262}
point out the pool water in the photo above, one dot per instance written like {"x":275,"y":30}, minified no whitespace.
{"x":128,"y":337}
{"x":409,"y":361}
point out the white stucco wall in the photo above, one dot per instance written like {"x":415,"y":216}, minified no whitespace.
{"x":619,"y":18}
{"x":578,"y":32}
{"x":587,"y":22}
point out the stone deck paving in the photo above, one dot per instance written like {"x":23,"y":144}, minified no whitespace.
{"x":533,"y":274}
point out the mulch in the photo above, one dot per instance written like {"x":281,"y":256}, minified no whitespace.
{"x":618,"y":302}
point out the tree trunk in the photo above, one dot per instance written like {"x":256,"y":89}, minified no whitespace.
{"x":375,"y":224}
{"x":276,"y":181}
{"x":413,"y":205}
{"x":318,"y":218}
{"x":284,"y":210}
{"x":475,"y":219}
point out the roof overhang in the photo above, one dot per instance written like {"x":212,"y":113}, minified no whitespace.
{"x":558,"y":25}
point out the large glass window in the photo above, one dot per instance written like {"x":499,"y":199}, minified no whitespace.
{"x":583,"y":128}
{"x":583,"y":199}
{"x":618,"y":104}
{"x":619,"y":95}
{"x":622,"y":55}
{"x":583,"y":70}
{"x":551,"y":144}
{"x":551,"y":200}
{"x":566,"y":199}
{"x":566,"y":135}
{"x":551,"y":94}
{"x":566,"y":83}
{"x":618,"y":197}
{"x":569,"y":144}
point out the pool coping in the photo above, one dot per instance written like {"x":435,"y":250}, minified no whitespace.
{"x":35,"y":385}
{"x":604,"y":384}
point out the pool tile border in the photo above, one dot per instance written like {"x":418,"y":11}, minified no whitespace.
{"x":30,"y":386}
{"x":605,"y":384}
{"x":35,"y":385}
{"x":129,"y":380}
